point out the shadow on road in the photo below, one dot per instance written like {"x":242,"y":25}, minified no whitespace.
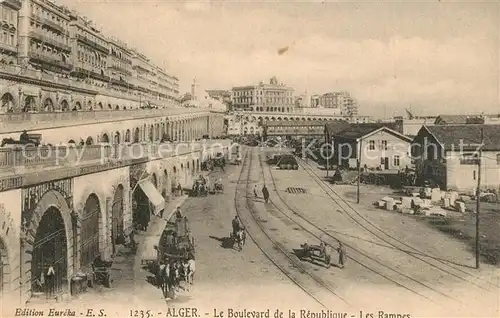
{"x":225,"y":241}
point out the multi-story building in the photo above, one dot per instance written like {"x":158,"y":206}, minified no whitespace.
{"x":90,"y":51}
{"x":44,"y":37}
{"x":338,"y":100}
{"x":119,"y":65}
{"x":9,"y":11}
{"x":272,"y":97}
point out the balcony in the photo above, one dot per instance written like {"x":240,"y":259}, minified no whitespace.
{"x":8,"y":48}
{"x":44,"y":58}
{"x":93,"y":44}
{"x":120,"y":69}
{"x":14,"y":4}
{"x":43,"y":38}
{"x":11,"y":122}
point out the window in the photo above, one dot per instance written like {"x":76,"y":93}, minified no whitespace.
{"x":384,"y":145}
{"x":469,"y":159}
{"x":396,"y":161}
{"x":371,"y":145}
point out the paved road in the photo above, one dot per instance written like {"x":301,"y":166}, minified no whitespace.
{"x":228,"y":278}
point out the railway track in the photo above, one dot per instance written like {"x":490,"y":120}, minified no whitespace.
{"x":394,"y":276}
{"x":311,"y":284}
{"x":397,"y":244}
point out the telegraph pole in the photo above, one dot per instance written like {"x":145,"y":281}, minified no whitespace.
{"x":478,"y":192}
{"x":359,"y":167}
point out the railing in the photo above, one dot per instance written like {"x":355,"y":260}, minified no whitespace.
{"x":13,"y":122}
{"x":64,"y":156}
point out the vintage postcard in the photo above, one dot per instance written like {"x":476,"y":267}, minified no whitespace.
{"x":249,"y":159}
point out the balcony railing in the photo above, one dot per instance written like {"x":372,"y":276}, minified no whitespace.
{"x":6,"y":47}
{"x":93,"y":44}
{"x":57,"y":43}
{"x":11,"y":122}
{"x":13,"y":160}
{"x":49,"y":59}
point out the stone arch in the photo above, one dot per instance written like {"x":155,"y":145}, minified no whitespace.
{"x":127,"y":136}
{"x":89,"y":141}
{"x":99,"y":105}
{"x":52,"y":201}
{"x":197,"y":165}
{"x":9,"y":100}
{"x":193,"y":168}
{"x":9,"y":259}
{"x":151,"y":133}
{"x":89,"y":105}
{"x":117,"y":137}
{"x":64,"y":105}
{"x":137,"y":135}
{"x":105,"y":138}
{"x":109,"y":106}
{"x":78,"y":105}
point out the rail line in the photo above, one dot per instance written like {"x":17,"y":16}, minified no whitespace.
{"x":310,"y":287}
{"x":317,"y":236}
{"x":346,"y":207}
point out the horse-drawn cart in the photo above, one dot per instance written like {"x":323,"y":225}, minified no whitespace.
{"x":314,"y":253}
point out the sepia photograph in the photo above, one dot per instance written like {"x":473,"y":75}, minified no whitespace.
{"x":249,"y":159}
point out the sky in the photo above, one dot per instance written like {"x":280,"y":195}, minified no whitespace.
{"x":434,"y":57}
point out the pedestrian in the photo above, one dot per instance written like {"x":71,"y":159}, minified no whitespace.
{"x":342,"y":255}
{"x":255,"y":191}
{"x":50,"y":282}
{"x":265,"y":193}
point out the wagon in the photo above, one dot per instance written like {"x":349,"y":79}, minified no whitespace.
{"x":314,"y":253}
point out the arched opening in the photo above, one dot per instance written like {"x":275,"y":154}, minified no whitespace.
{"x":49,"y":251}
{"x":127,"y":135}
{"x":89,"y":105}
{"x":151,"y":132}
{"x":116,"y":139}
{"x":78,"y":106}
{"x":197,"y":165}
{"x":64,"y":105}
{"x":117,"y":107}
{"x":173,"y":180}
{"x":89,"y":141}
{"x":89,"y":231}
{"x":141,"y":209}
{"x":109,"y":106}
{"x":105,"y":138}
{"x":165,"y":182}
{"x":117,"y":217}
{"x":193,"y":168}
{"x":29,"y":104}
{"x":137,"y":134}
{"x":7,"y":103}
{"x":99,"y":105}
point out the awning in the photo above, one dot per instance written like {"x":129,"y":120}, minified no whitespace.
{"x":153,"y":195}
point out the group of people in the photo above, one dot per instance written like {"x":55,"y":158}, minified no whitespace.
{"x":265,"y":193}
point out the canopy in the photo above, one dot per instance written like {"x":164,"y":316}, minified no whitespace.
{"x":153,"y":195}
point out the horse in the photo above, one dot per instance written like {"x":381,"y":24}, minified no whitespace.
{"x":240,"y":238}
{"x":163,"y":277}
{"x":188,"y":270}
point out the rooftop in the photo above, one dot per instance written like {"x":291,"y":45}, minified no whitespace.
{"x":467,"y":136}
{"x":355,"y":131}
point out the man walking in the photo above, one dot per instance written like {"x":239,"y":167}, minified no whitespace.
{"x":342,"y":255}
{"x":265,"y":193}
{"x":255,"y":191}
